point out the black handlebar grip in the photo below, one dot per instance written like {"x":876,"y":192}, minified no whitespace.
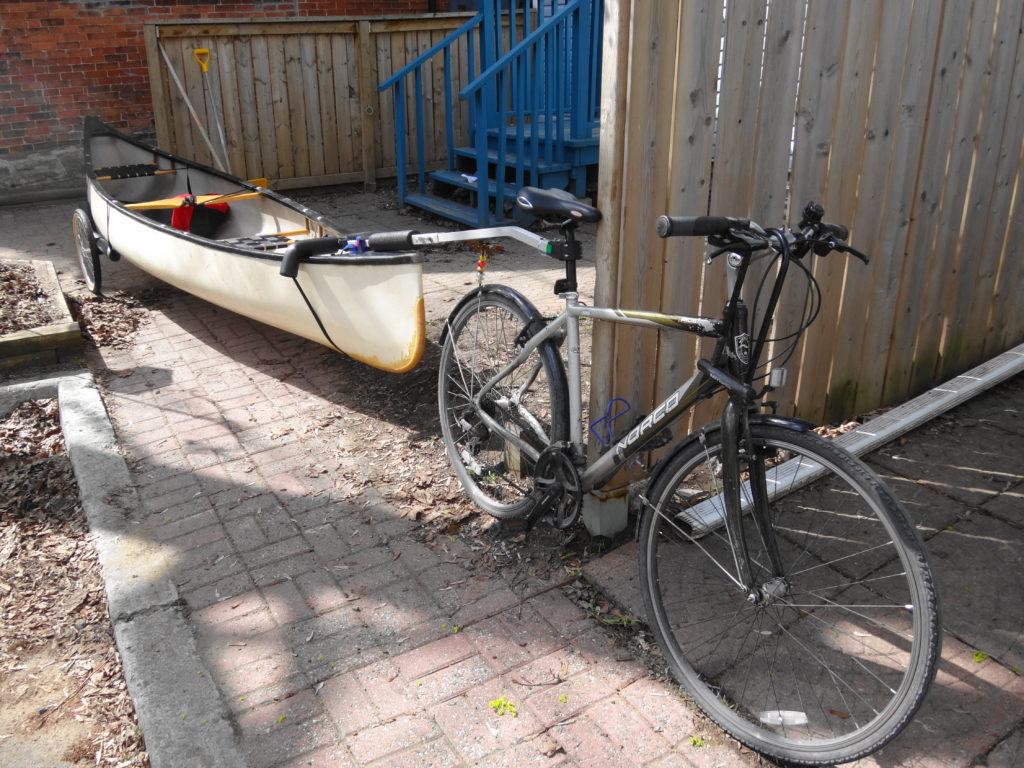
{"x":390,"y":241}
{"x":697,"y":226}
{"x":303,"y":249}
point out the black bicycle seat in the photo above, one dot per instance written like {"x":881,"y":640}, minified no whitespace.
{"x":555,"y":202}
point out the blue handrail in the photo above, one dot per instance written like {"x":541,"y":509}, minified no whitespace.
{"x":431,"y":52}
{"x":397,"y":81}
{"x":518,"y":50}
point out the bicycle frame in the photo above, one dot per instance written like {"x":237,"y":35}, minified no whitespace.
{"x":671,"y":408}
{"x":731,"y":332}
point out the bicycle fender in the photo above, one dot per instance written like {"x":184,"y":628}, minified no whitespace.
{"x":491,"y":290}
{"x":796,"y":425}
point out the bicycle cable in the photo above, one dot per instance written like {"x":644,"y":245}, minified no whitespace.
{"x":808,"y":314}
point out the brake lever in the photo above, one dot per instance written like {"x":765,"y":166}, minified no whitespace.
{"x":842,"y":248}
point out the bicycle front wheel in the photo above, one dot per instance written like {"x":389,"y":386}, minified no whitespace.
{"x":530,"y":402}
{"x":823,"y":657}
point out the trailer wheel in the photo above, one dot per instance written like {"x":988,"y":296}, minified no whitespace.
{"x":88,"y":252}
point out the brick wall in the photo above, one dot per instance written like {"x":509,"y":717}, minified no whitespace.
{"x":62,"y":60}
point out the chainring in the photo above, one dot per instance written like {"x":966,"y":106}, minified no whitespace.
{"x":558,"y":486}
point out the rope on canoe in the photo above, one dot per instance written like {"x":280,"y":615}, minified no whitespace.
{"x":315,"y":315}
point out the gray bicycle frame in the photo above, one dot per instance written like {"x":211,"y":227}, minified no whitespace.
{"x":671,"y":408}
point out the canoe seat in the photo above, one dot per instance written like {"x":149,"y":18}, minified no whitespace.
{"x":129,"y":171}
{"x":260,"y":242}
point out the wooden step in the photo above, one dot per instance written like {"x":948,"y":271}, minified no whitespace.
{"x":541,"y":129}
{"x":470,"y":182}
{"x":452,"y":210}
{"x":511,"y":158}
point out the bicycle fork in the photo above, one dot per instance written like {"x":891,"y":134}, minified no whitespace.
{"x":736,"y":435}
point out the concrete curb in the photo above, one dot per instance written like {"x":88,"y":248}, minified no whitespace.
{"x":182,"y":716}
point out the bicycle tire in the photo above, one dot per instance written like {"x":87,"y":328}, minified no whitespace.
{"x":480,"y":339}
{"x":88,"y":251}
{"x":833,"y":661}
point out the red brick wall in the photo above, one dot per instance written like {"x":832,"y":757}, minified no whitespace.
{"x":62,"y":60}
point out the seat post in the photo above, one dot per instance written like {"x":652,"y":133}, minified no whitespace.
{"x":572,"y":253}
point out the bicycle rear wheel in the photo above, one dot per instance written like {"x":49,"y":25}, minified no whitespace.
{"x":824,"y":662}
{"x":531,"y":402}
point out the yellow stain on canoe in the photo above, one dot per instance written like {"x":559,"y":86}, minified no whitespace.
{"x":415,"y":351}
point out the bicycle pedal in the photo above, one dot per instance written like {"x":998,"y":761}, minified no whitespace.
{"x":507,"y":529}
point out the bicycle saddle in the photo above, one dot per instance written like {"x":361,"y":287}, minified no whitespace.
{"x":555,"y":202}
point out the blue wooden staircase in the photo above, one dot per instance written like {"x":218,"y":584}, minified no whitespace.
{"x":532,"y":93}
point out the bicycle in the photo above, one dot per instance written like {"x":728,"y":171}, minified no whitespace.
{"x":787,"y":590}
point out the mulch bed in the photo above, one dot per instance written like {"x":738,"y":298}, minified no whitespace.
{"x":23,"y":303}
{"x":59,"y":667}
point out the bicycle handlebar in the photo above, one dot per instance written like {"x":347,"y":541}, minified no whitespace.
{"x":813,"y":234}
{"x":698,"y":226}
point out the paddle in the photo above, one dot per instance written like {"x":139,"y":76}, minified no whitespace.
{"x":178,"y":202}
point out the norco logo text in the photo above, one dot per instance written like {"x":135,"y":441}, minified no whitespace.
{"x":659,"y":413}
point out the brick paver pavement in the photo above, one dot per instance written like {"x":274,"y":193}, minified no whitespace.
{"x":335,"y":636}
{"x":339,"y":636}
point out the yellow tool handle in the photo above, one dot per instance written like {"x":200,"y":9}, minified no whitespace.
{"x":202,"y":57}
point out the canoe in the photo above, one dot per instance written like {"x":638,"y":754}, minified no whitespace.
{"x":248,"y":249}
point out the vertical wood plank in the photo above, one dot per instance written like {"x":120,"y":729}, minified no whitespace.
{"x":775,"y":110}
{"x":1005,"y":323}
{"x":281,"y":124}
{"x":265,"y":106}
{"x":223,"y":71}
{"x":731,"y":175}
{"x":922,"y":257}
{"x":732,"y":188}
{"x":817,"y":102}
{"x":611,"y":192}
{"x":200,"y":91}
{"x":370,"y":105}
{"x":311,"y":106}
{"x":646,"y":153}
{"x":893,"y":242}
{"x":295,"y":97}
{"x":869,"y":294}
{"x":771,"y":162}
{"x":839,"y":198}
{"x":346,"y":96}
{"x":183,"y":120}
{"x":249,"y":136}
{"x":327,"y":98}
{"x":991,"y":77}
{"x":936,"y":323}
{"x":689,"y":167}
{"x":897,"y":123}
{"x":158,"y":83}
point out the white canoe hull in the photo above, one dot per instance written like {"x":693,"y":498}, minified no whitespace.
{"x":370,"y":306}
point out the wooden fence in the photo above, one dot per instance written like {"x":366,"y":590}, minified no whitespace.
{"x":905,"y":120}
{"x":298,"y":100}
